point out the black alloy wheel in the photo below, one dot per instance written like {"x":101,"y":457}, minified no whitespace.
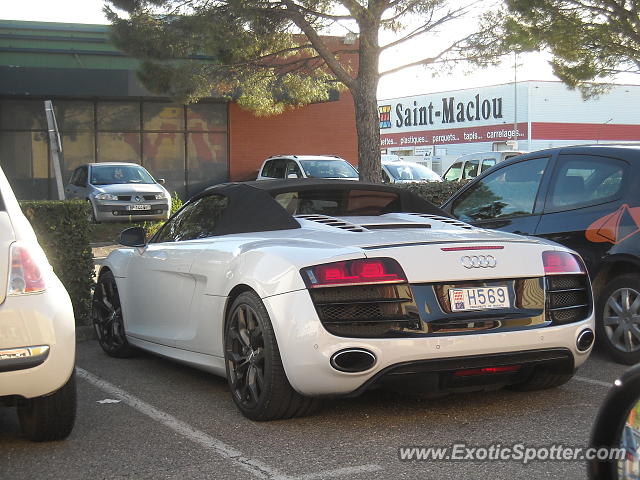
{"x":245,"y":356}
{"x":256,"y":377}
{"x":106,"y":314}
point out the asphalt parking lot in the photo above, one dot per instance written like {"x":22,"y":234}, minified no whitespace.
{"x":148,"y":417}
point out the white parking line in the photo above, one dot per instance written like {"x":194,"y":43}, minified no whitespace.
{"x":255,"y":467}
{"x":591,"y":381}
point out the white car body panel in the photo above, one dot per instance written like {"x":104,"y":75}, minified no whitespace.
{"x":35,"y":319}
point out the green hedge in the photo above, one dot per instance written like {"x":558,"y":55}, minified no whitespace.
{"x":434,"y":192}
{"x":62,"y":228}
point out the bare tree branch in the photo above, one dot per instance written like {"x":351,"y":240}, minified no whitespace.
{"x":425,"y":28}
{"x":429,"y":60}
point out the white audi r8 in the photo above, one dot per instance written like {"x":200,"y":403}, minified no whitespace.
{"x":296,"y":290}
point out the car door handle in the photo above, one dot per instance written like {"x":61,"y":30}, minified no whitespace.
{"x":518,"y":232}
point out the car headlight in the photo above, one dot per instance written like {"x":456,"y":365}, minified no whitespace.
{"x":161,"y":196}
{"x":105,"y":196}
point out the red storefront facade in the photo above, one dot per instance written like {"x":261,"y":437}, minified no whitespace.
{"x":323,"y":128}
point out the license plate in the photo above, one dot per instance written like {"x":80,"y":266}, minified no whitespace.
{"x":481,"y":298}
{"x":139,"y":207}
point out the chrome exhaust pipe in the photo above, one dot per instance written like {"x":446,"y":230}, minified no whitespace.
{"x":585,"y":340}
{"x":353,"y":360}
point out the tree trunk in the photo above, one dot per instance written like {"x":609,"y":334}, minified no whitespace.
{"x":368,"y":130}
{"x":364,"y":96}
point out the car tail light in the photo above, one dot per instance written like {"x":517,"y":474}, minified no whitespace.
{"x":486,"y":371}
{"x":562,"y":262}
{"x":25,"y":276}
{"x":354,"y":272}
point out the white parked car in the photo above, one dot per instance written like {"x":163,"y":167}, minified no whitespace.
{"x":37,"y":330}
{"x":296,"y":290}
{"x":471,"y":165}
{"x":399,"y":171}
{"x":307,"y":166}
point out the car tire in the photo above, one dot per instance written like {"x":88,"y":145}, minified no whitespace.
{"x":618,"y":317}
{"x":106,"y":315}
{"x":50,"y":417}
{"x":256,"y":377}
{"x":542,"y":379}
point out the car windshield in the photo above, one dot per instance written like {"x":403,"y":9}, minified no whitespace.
{"x":328,"y":169}
{"x":411,"y":172}
{"x":119,"y":174}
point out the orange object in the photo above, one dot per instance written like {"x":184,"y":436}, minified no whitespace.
{"x":615,"y":227}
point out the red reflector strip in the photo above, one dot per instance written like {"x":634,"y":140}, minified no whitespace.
{"x":461,"y":249}
{"x":486,"y":371}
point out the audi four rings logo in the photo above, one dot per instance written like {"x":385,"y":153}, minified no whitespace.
{"x":478,"y":261}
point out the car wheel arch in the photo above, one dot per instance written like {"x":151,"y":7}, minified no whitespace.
{"x":612,"y":269}
{"x":104,"y":270}
{"x":235,"y":292}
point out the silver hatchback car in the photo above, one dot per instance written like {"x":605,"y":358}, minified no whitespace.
{"x":120,"y":192}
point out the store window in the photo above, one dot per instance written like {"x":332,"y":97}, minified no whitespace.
{"x":207,"y":116}
{"x":78,"y":148}
{"x":74,"y":115}
{"x":162,"y":116}
{"x":119,"y":147}
{"x":22,"y":115}
{"x":25,"y":161}
{"x":118,"y":116}
{"x":164,"y":158}
{"x":185,"y":145}
{"x":207,"y":160}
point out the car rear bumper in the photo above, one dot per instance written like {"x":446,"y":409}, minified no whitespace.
{"x":42,"y":324}
{"x":307,"y":348}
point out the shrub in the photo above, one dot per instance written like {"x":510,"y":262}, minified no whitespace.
{"x":434,"y":192}
{"x":62,"y":228}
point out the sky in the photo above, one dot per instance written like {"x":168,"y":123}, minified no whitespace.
{"x":415,"y":81}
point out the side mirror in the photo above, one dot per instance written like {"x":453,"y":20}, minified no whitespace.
{"x":161,"y":181}
{"x":292,"y":175}
{"x":133,"y":237}
{"x":617,"y":429}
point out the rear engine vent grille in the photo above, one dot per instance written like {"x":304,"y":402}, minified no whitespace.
{"x":568,"y":298}
{"x":450,"y":221}
{"x":332,"y":222}
{"x":395,"y":226}
{"x":366,"y":310}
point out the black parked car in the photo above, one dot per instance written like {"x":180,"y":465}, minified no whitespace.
{"x":585,"y":197}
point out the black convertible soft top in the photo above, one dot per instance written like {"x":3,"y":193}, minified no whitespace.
{"x":252,"y":206}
